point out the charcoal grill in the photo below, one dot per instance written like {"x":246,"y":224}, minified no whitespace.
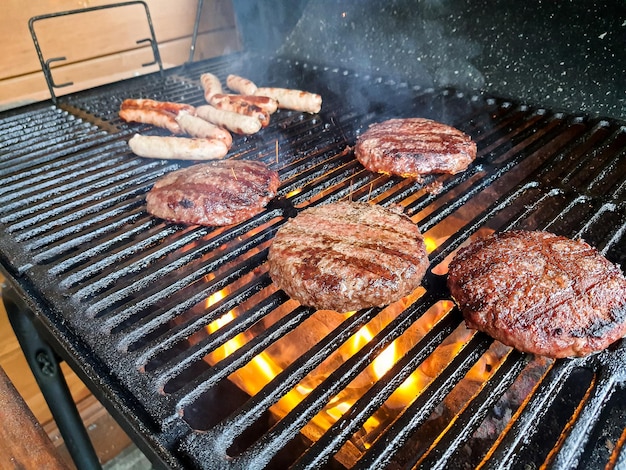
{"x":123,"y":297}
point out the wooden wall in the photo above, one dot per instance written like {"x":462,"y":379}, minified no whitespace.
{"x":100,"y":47}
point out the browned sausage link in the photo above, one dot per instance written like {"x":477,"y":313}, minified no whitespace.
{"x":266,"y":103}
{"x":168,"y":107}
{"x":180,"y":148}
{"x":198,"y":127}
{"x":211,"y":85}
{"x":151,"y":116}
{"x":237,"y":104}
{"x":241,"y":85}
{"x":234,"y":122}
{"x":293,"y":99}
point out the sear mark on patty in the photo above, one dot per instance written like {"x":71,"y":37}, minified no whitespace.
{"x":540,"y":293}
{"x":347,"y":256}
{"x":413,"y":147}
{"x":215,"y":193}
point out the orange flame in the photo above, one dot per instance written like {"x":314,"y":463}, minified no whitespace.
{"x":264,"y":367}
{"x":385,"y":360}
{"x":430,"y":243}
{"x":213,"y":299}
{"x":291,"y":194}
{"x":230,"y":346}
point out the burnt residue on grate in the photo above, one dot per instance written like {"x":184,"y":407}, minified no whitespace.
{"x":222,"y":370}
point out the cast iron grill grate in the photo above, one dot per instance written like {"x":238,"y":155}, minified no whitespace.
{"x":143,"y":297}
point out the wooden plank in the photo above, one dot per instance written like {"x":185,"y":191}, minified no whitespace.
{"x":23,"y":443}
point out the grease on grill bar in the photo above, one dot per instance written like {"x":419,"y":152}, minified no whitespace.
{"x":221,"y":370}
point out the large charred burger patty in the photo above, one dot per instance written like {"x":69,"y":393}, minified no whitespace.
{"x":347,"y":256}
{"x":540,"y":293}
{"x":413,"y":147}
{"x":217,"y":193}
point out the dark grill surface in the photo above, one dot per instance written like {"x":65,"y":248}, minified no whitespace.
{"x":124,"y":295}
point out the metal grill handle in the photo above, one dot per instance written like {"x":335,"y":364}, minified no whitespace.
{"x":45,"y":64}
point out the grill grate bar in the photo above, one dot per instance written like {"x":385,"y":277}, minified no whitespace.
{"x":58,"y":133}
{"x":71,"y":280}
{"x":604,"y":178}
{"x":447,"y":247}
{"x":236,"y":360}
{"x":504,"y":452}
{"x":79,"y":242}
{"x":19,"y":117}
{"x":73,"y":139}
{"x":225,"y":279}
{"x":222,"y":435}
{"x":243,"y":355}
{"x":383,"y":449}
{"x":570,"y":452}
{"x":53,"y":201}
{"x":53,"y":156}
{"x":145,"y":279}
{"x":334,"y":383}
{"x":27,"y":183}
{"x":618,"y":456}
{"x":72,"y":205}
{"x":510,"y":200}
{"x":148,"y":257}
{"x":617,"y":239}
{"x":20,"y":129}
{"x":445,"y":446}
{"x":97,"y":267}
{"x":481,"y":180}
{"x":180,"y":333}
{"x":321,"y":451}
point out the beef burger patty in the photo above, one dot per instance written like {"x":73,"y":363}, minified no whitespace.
{"x":217,"y":193}
{"x":413,"y":147}
{"x":347,"y":256}
{"x":540,"y":293}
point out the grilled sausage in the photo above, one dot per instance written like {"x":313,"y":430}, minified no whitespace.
{"x":211,"y":85}
{"x":267,"y":104}
{"x":158,"y":113}
{"x":241,"y":85}
{"x":234,"y":122}
{"x":150,"y":116}
{"x":293,"y":99}
{"x":198,"y":127}
{"x":246,"y":105}
{"x":180,"y":148}
{"x":166,"y":107}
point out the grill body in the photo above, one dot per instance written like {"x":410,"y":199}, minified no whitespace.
{"x":122,"y":295}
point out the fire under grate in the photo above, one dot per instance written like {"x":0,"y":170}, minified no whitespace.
{"x":180,"y":331}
